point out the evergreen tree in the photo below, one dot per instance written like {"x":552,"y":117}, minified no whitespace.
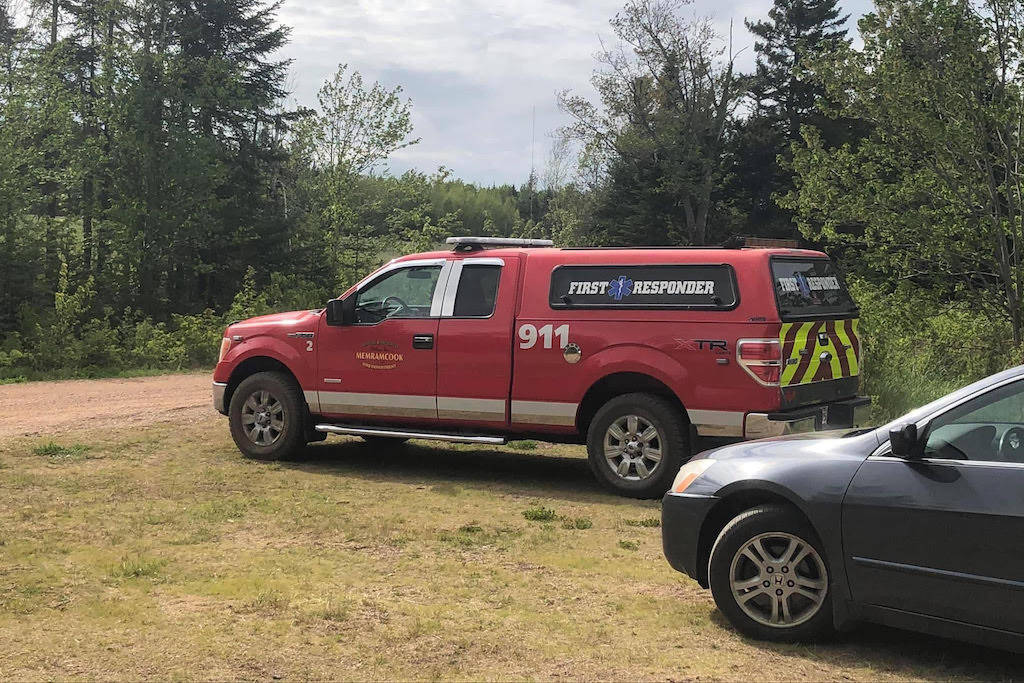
{"x":784,"y":86}
{"x":786,"y":94}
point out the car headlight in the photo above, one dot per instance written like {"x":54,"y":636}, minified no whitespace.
{"x":225,"y":345}
{"x":689,"y":473}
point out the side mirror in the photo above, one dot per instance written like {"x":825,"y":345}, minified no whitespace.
{"x":341,"y":312}
{"x":904,"y":441}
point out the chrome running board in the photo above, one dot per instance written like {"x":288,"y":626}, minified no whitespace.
{"x":398,"y":434}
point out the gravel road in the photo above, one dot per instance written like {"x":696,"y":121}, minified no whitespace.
{"x":45,"y":408}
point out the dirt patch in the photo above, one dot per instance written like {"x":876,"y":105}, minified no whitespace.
{"x":50,"y":408}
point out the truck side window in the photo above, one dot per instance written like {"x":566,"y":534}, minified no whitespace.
{"x":478,"y":291}
{"x":404,"y":293}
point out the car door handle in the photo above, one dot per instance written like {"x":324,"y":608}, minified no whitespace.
{"x":423,"y":341}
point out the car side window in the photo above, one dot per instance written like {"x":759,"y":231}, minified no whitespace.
{"x":403,"y":293}
{"x":478,"y":291}
{"x":988,"y":428}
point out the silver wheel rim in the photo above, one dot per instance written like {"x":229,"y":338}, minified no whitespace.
{"x":778,"y":580}
{"x":632,"y":447}
{"x":263,"y":418}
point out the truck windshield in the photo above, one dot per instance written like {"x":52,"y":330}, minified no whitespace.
{"x":806,"y":288}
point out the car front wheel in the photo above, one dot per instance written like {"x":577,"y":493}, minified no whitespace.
{"x":769,"y":576}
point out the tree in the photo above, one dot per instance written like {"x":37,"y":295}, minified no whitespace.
{"x":785,"y":95}
{"x":356,"y":129}
{"x":934,"y":194}
{"x":784,"y":88}
{"x":668,"y":92}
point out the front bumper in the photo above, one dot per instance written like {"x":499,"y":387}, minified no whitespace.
{"x":219,"y":391}
{"x":846,"y":414}
{"x":682,"y":516}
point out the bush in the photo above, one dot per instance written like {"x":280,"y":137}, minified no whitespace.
{"x":916,"y":349}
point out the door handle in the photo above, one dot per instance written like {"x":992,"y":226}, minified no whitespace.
{"x":423,"y":341}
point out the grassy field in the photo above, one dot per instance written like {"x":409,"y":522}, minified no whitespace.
{"x":161,"y":553}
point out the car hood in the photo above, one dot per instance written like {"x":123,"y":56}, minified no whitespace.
{"x":858,"y":442}
{"x":307,"y":320}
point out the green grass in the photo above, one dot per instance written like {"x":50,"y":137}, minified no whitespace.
{"x":646,"y":522}
{"x":165,"y":555}
{"x":523,"y":445}
{"x":55,"y":450}
{"x":540,"y":514}
{"x":22,"y":375}
{"x":578,"y":523}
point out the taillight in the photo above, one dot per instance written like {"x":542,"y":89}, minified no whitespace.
{"x":762,"y":359}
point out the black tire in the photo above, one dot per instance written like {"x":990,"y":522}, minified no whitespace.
{"x":671,"y":441}
{"x":774,"y":526}
{"x":275,"y":440}
{"x":384,"y":441}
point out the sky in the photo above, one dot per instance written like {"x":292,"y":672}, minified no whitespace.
{"x":476,"y":70}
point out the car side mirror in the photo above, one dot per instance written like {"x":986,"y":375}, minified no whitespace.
{"x":905,"y":442}
{"x":341,"y":312}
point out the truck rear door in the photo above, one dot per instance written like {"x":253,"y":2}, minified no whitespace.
{"x":474,"y":342}
{"x":819,"y":332}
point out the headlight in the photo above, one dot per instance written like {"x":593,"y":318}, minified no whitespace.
{"x":225,"y":345}
{"x":689,"y":473}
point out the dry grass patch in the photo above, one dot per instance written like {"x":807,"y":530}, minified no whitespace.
{"x":160,"y":553}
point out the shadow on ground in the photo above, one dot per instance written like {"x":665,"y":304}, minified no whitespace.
{"x":904,"y":653}
{"x":545,"y":473}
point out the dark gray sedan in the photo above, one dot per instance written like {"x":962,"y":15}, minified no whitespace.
{"x":918,"y":524}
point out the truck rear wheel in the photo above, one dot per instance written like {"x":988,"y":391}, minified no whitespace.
{"x":268,"y":417}
{"x":636,"y":445}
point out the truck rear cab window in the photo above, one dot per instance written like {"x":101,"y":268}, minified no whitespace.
{"x":806,"y":287}
{"x":478,"y":291}
{"x":690,"y":286}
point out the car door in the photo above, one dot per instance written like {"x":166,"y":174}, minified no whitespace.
{"x":474,"y":349}
{"x":383,"y":367}
{"x":943,"y":535}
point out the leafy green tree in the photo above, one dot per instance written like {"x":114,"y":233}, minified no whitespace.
{"x":934,"y":194}
{"x":667,"y":94}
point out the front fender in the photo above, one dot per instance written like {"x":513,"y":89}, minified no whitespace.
{"x":301,"y":364}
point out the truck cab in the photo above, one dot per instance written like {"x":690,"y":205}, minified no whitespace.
{"x":639,"y":353}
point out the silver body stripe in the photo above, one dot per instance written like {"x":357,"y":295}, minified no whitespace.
{"x":480,"y":409}
{"x":717,"y":422}
{"x":312,"y":400}
{"x":544,"y":413}
{"x":397,"y":405}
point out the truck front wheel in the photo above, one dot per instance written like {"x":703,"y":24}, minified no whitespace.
{"x":268,"y":416}
{"x":636,"y":445}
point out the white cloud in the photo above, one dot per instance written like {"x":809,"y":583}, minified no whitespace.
{"x":475,"y":69}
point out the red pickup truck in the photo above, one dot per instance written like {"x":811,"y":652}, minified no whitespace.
{"x":638,"y":353}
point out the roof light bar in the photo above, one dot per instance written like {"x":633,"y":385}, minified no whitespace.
{"x":477,"y":243}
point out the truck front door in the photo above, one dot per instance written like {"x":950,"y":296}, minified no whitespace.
{"x":383,"y":367}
